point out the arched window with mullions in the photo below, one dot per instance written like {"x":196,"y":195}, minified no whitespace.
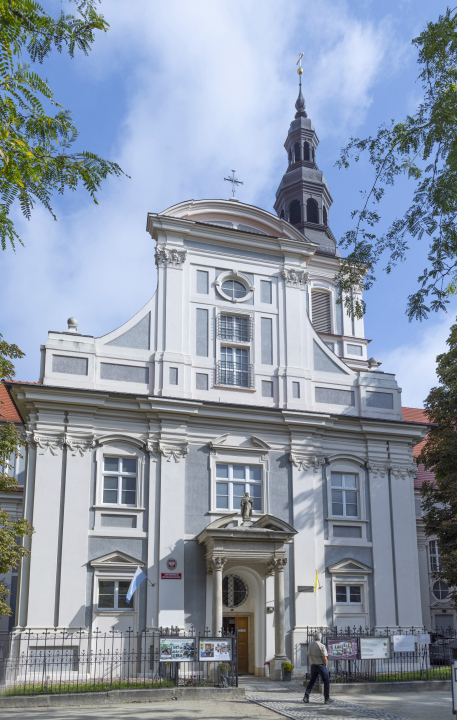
{"x":324,"y":214}
{"x":306,"y":152}
{"x":312,"y":211}
{"x":295,"y":212}
{"x":297,"y":152}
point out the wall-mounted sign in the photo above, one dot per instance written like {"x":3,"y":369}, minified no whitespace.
{"x":215,"y":649}
{"x":305,"y":588}
{"x":404,"y":643}
{"x":177,"y":649}
{"x":342,"y":648}
{"x":171,"y":576}
{"x":171,"y":563}
{"x":423,"y":638}
{"x":374,"y":648}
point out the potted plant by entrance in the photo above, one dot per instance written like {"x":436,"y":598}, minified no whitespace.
{"x":287,"y":668}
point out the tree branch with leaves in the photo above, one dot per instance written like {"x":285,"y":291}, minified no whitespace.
{"x":424,"y":149}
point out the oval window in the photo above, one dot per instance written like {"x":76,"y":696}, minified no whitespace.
{"x":440,"y":590}
{"x":234,"y":591}
{"x":234,"y":289}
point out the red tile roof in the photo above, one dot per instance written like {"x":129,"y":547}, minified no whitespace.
{"x":8,"y":412}
{"x":418,"y":415}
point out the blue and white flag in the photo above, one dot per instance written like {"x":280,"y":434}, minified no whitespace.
{"x":137,"y":579}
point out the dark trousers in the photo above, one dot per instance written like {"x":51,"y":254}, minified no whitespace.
{"x":317,"y":670}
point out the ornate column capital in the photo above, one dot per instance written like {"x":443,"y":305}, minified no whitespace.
{"x":175,"y":452}
{"x":78,"y":445}
{"x":216,"y":563}
{"x":165,"y":257}
{"x":295,"y":278}
{"x":276,"y":565}
{"x":52,"y":443}
{"x":152,"y":448}
{"x":303,"y":462}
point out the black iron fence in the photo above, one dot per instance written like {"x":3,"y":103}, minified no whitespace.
{"x":80,"y":661}
{"x":357,"y":654}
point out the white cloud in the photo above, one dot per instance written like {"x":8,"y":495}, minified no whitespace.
{"x":210,"y":86}
{"x":414,"y":365}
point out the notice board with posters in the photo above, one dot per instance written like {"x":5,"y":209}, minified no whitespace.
{"x":215,"y":649}
{"x":374,"y":648}
{"x":177,"y":649}
{"x":342,"y":648}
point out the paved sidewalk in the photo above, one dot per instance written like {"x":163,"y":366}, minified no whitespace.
{"x":287,"y":700}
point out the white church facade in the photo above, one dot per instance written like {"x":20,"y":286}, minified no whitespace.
{"x":242,"y":374}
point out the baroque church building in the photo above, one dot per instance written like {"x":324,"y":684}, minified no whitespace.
{"x":242,"y":374}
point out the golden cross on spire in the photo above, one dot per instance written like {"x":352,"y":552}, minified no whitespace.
{"x":300,"y":69}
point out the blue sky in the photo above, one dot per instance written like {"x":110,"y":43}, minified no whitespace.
{"x":179,"y":93}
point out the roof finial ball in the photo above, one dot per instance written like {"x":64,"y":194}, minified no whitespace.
{"x":72,"y":324}
{"x":300,"y":104}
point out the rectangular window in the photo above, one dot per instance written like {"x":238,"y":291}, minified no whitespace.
{"x":267,"y":388}
{"x":112,"y":594}
{"x":232,"y":481}
{"x":202,"y":333}
{"x":234,"y":367}
{"x":236,"y":328}
{"x":173,"y":376}
{"x":348,"y":594}
{"x":355,"y":349}
{"x":266,"y":338}
{"x":119,"y":481}
{"x":345,"y":496}
{"x":201,"y":381}
{"x":202,"y":282}
{"x":265,"y":292}
{"x":296,"y":389}
{"x":435,"y":556}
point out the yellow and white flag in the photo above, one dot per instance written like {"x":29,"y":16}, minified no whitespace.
{"x":315,"y":584}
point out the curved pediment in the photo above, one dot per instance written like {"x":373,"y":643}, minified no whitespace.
{"x":234,"y":522}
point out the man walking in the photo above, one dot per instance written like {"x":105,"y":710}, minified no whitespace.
{"x":317,"y":655}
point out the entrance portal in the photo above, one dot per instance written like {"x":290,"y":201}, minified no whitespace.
{"x":241,"y":624}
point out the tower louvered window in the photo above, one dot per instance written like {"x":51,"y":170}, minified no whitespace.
{"x":320,"y":302}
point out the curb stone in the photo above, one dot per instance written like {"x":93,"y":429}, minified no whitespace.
{"x":383,"y":687}
{"x":120,"y":697}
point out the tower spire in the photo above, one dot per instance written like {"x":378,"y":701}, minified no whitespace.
{"x":300,"y":104}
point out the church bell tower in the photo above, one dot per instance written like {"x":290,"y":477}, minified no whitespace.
{"x":303,"y":197}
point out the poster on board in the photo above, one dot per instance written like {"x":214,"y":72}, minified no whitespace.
{"x":215,"y":649}
{"x":423,"y":638}
{"x":342,"y":648}
{"x":404,"y":643}
{"x":177,"y":649}
{"x":374,"y":648}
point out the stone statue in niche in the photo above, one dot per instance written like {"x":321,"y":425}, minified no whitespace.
{"x":246,"y":507}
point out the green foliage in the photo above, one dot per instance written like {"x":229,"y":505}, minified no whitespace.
{"x":47,"y":687}
{"x":423,"y":148}
{"x":35,"y":148}
{"x":439,"y":454}
{"x":11,"y":551}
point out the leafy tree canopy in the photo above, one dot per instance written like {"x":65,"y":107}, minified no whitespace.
{"x":36,"y":158}
{"x":439,"y":454}
{"x":424,"y":148}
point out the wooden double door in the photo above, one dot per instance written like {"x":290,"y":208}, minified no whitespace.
{"x":240,"y":623}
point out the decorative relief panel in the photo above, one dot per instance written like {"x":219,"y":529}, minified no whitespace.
{"x":295,"y":278}
{"x":45,"y":442}
{"x":303,"y":462}
{"x":79,"y":445}
{"x":398,"y":471}
{"x":168,"y":451}
{"x":169,"y":257}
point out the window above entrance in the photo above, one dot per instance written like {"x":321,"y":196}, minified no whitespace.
{"x":232,"y":481}
{"x":234,"y":591}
